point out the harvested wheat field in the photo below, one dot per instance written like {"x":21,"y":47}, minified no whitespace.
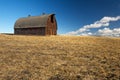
{"x":59,"y":58}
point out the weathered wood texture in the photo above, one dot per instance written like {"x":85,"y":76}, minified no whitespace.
{"x":51,"y":28}
{"x":30,"y":31}
{"x":27,"y":26}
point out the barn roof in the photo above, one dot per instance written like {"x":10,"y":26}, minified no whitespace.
{"x":32,"y":21}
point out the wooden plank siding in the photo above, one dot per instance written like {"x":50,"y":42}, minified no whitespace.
{"x":30,"y":31}
{"x":36,"y":25}
{"x":51,"y":28}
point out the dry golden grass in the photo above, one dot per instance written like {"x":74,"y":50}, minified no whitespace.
{"x":59,"y":58}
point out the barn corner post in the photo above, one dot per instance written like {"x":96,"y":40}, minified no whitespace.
{"x":36,"y":25}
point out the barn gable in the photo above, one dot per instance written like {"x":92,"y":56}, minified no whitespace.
{"x":36,"y":25}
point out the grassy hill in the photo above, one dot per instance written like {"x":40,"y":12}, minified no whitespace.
{"x":59,"y":58}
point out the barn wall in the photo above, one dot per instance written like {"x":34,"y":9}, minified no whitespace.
{"x":51,"y":28}
{"x":30,"y":31}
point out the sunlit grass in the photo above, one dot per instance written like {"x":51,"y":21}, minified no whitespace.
{"x":59,"y":58}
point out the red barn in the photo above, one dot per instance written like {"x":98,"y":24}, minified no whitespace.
{"x":36,"y":25}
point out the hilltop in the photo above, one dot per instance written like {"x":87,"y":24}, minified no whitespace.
{"x":59,"y":58}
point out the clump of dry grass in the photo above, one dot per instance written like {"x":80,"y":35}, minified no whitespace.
{"x":59,"y":58}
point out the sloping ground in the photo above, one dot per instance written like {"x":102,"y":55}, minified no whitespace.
{"x":59,"y":58}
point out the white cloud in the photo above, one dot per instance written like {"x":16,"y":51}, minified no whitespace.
{"x":109,"y":32}
{"x":97,"y":24}
{"x":87,"y":34}
{"x":104,"y":22}
{"x":108,"y":19}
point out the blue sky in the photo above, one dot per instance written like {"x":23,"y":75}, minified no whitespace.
{"x":71,"y":15}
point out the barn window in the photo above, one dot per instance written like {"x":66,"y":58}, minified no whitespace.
{"x":52,"y":18}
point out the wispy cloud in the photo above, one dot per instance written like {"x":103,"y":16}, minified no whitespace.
{"x":104,"y":22}
{"x":109,"y":32}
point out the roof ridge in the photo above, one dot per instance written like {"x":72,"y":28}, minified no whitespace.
{"x":36,"y":16}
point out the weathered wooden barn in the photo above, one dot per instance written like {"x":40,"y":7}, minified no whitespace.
{"x":36,"y":25}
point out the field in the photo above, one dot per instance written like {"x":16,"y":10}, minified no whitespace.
{"x":59,"y":58}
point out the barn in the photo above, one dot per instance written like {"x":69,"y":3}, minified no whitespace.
{"x":45,"y":24}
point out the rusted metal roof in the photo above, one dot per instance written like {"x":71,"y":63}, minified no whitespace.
{"x":32,"y":21}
